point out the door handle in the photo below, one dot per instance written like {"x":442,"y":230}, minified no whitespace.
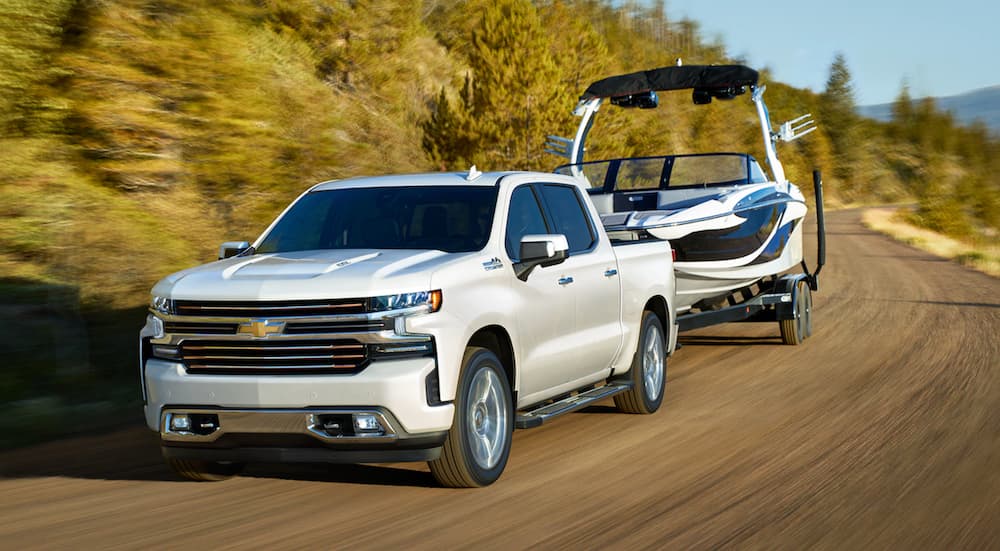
{"x":565,"y":280}
{"x":610,"y":273}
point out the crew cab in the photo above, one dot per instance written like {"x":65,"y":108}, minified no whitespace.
{"x":405,"y":318}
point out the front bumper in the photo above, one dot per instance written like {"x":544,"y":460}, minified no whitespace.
{"x":305,"y":455}
{"x":291,"y":435}
{"x":395,"y":387}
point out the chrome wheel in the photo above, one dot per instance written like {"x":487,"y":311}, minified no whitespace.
{"x":648,"y":372}
{"x":652,"y":363}
{"x":486,"y":417}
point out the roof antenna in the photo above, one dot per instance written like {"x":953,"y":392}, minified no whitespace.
{"x":473,"y":174}
{"x":680,"y":63}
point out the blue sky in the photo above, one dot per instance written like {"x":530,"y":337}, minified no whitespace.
{"x":939,"y":48}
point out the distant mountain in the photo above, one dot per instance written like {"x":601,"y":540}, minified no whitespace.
{"x":982,"y":104}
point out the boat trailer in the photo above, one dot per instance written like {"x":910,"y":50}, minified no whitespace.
{"x":786,"y":299}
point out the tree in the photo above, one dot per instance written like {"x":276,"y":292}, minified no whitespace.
{"x":446,"y":134}
{"x":839,"y":117}
{"x":512,"y":98}
{"x":902,"y":108}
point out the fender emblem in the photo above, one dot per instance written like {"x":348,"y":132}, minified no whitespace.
{"x":492,"y":264}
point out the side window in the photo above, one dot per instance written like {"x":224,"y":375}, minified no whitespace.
{"x":568,"y":216}
{"x":524,"y":218}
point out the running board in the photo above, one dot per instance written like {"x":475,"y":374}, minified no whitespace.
{"x":535,"y":417}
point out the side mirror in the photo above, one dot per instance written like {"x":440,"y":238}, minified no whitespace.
{"x":232,"y":248}
{"x":540,"y":250}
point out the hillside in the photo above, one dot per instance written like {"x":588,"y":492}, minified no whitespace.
{"x":982,"y":105}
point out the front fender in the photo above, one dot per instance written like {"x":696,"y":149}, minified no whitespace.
{"x":465,"y":309}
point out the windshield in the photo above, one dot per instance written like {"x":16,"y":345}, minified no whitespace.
{"x":447,"y":218}
{"x":668,"y":172}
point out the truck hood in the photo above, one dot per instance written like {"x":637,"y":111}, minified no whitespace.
{"x":307,"y":275}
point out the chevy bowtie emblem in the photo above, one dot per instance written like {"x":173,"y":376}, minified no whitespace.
{"x":261,"y":328}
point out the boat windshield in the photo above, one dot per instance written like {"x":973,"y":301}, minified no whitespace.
{"x":668,"y":172}
{"x":446,"y":218}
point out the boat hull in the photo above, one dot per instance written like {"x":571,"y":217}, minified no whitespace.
{"x":713,"y":280}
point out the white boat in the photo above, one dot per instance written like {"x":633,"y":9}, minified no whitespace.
{"x":730,"y":225}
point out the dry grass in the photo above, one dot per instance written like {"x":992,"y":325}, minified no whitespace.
{"x":984,"y":257}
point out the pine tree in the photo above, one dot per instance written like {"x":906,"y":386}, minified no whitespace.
{"x":447,"y":137}
{"x":838,"y":97}
{"x":838,"y":116}
{"x":902,"y":108}
{"x":512,"y":99}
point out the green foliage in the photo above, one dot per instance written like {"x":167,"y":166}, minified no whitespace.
{"x":837,"y":115}
{"x":951,"y":170}
{"x":510,"y":99}
{"x":838,"y":98}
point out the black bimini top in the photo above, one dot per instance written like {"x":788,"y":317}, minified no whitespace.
{"x":673,"y":78}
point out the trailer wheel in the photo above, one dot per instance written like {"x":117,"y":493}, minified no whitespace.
{"x":478,"y":444}
{"x":649,"y":369}
{"x":808,"y":311}
{"x":204,"y":471}
{"x":794,"y":331}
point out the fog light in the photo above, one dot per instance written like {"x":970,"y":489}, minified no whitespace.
{"x":366,"y":423}
{"x":180,"y":423}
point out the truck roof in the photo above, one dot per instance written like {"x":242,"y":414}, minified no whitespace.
{"x":406,"y":180}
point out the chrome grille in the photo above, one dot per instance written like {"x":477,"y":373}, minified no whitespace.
{"x":278,"y":357}
{"x":270,"y":309}
{"x":359,"y":326}
{"x":199,"y":328}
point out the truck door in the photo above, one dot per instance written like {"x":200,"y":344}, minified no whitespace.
{"x":590,"y":274}
{"x":545,"y":311}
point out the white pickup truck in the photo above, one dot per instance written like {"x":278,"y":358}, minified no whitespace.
{"x":405,"y":318}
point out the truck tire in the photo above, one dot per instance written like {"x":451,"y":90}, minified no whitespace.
{"x":794,"y":331}
{"x":204,"y":471}
{"x":649,"y":369}
{"x":478,"y":444}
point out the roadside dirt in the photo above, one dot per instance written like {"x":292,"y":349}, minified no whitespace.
{"x":883,"y":430}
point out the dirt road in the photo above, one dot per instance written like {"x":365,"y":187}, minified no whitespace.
{"x":883,"y":430}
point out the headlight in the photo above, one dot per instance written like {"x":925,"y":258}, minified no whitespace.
{"x":430,"y":299}
{"x":161,"y":305}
